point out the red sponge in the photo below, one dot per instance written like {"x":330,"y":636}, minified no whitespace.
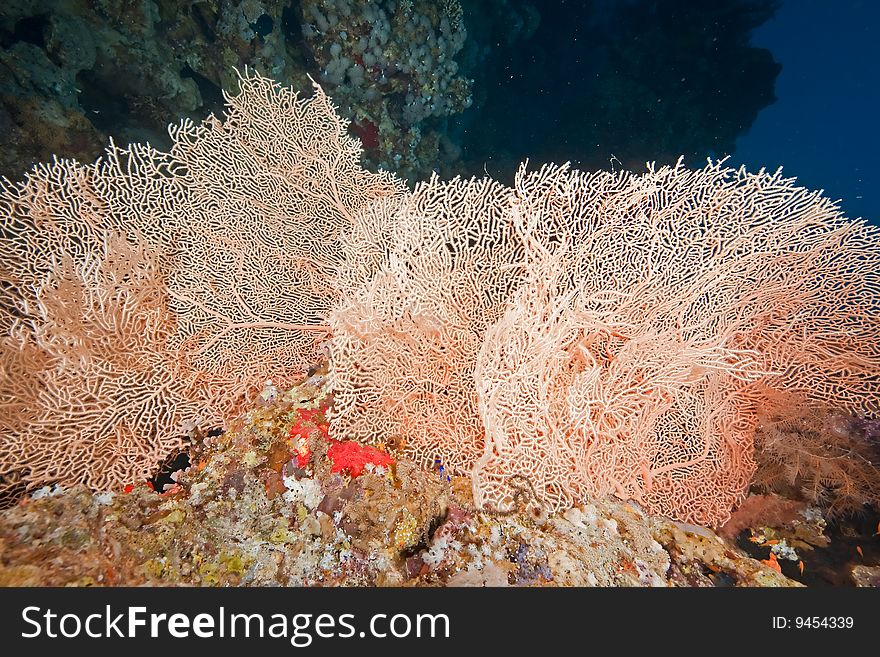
{"x":350,"y":456}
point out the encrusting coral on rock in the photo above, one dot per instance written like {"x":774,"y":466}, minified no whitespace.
{"x":252,"y":511}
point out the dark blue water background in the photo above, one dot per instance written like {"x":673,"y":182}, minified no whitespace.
{"x":823,"y":128}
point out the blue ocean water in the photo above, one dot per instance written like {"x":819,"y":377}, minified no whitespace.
{"x":823,"y":127}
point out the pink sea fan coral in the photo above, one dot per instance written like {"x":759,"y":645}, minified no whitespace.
{"x":237,"y":229}
{"x":637,"y":355}
{"x":640,"y":319}
{"x":575,"y":335}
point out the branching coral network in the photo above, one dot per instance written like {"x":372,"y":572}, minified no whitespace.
{"x":590,"y":333}
{"x":239,"y":224}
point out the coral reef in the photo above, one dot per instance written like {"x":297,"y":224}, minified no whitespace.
{"x":634,"y":80}
{"x":393,"y":62}
{"x":578,"y":335}
{"x":75,"y":73}
{"x":249,"y":513}
{"x":525,"y":382}
{"x":815,"y":546}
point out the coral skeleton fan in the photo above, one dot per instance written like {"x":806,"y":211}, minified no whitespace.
{"x":604,"y":333}
{"x":151,"y":291}
{"x":587,"y":333}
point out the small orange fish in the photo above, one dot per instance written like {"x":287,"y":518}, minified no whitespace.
{"x":859,"y":550}
{"x":801,"y":567}
{"x":772,"y":562}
